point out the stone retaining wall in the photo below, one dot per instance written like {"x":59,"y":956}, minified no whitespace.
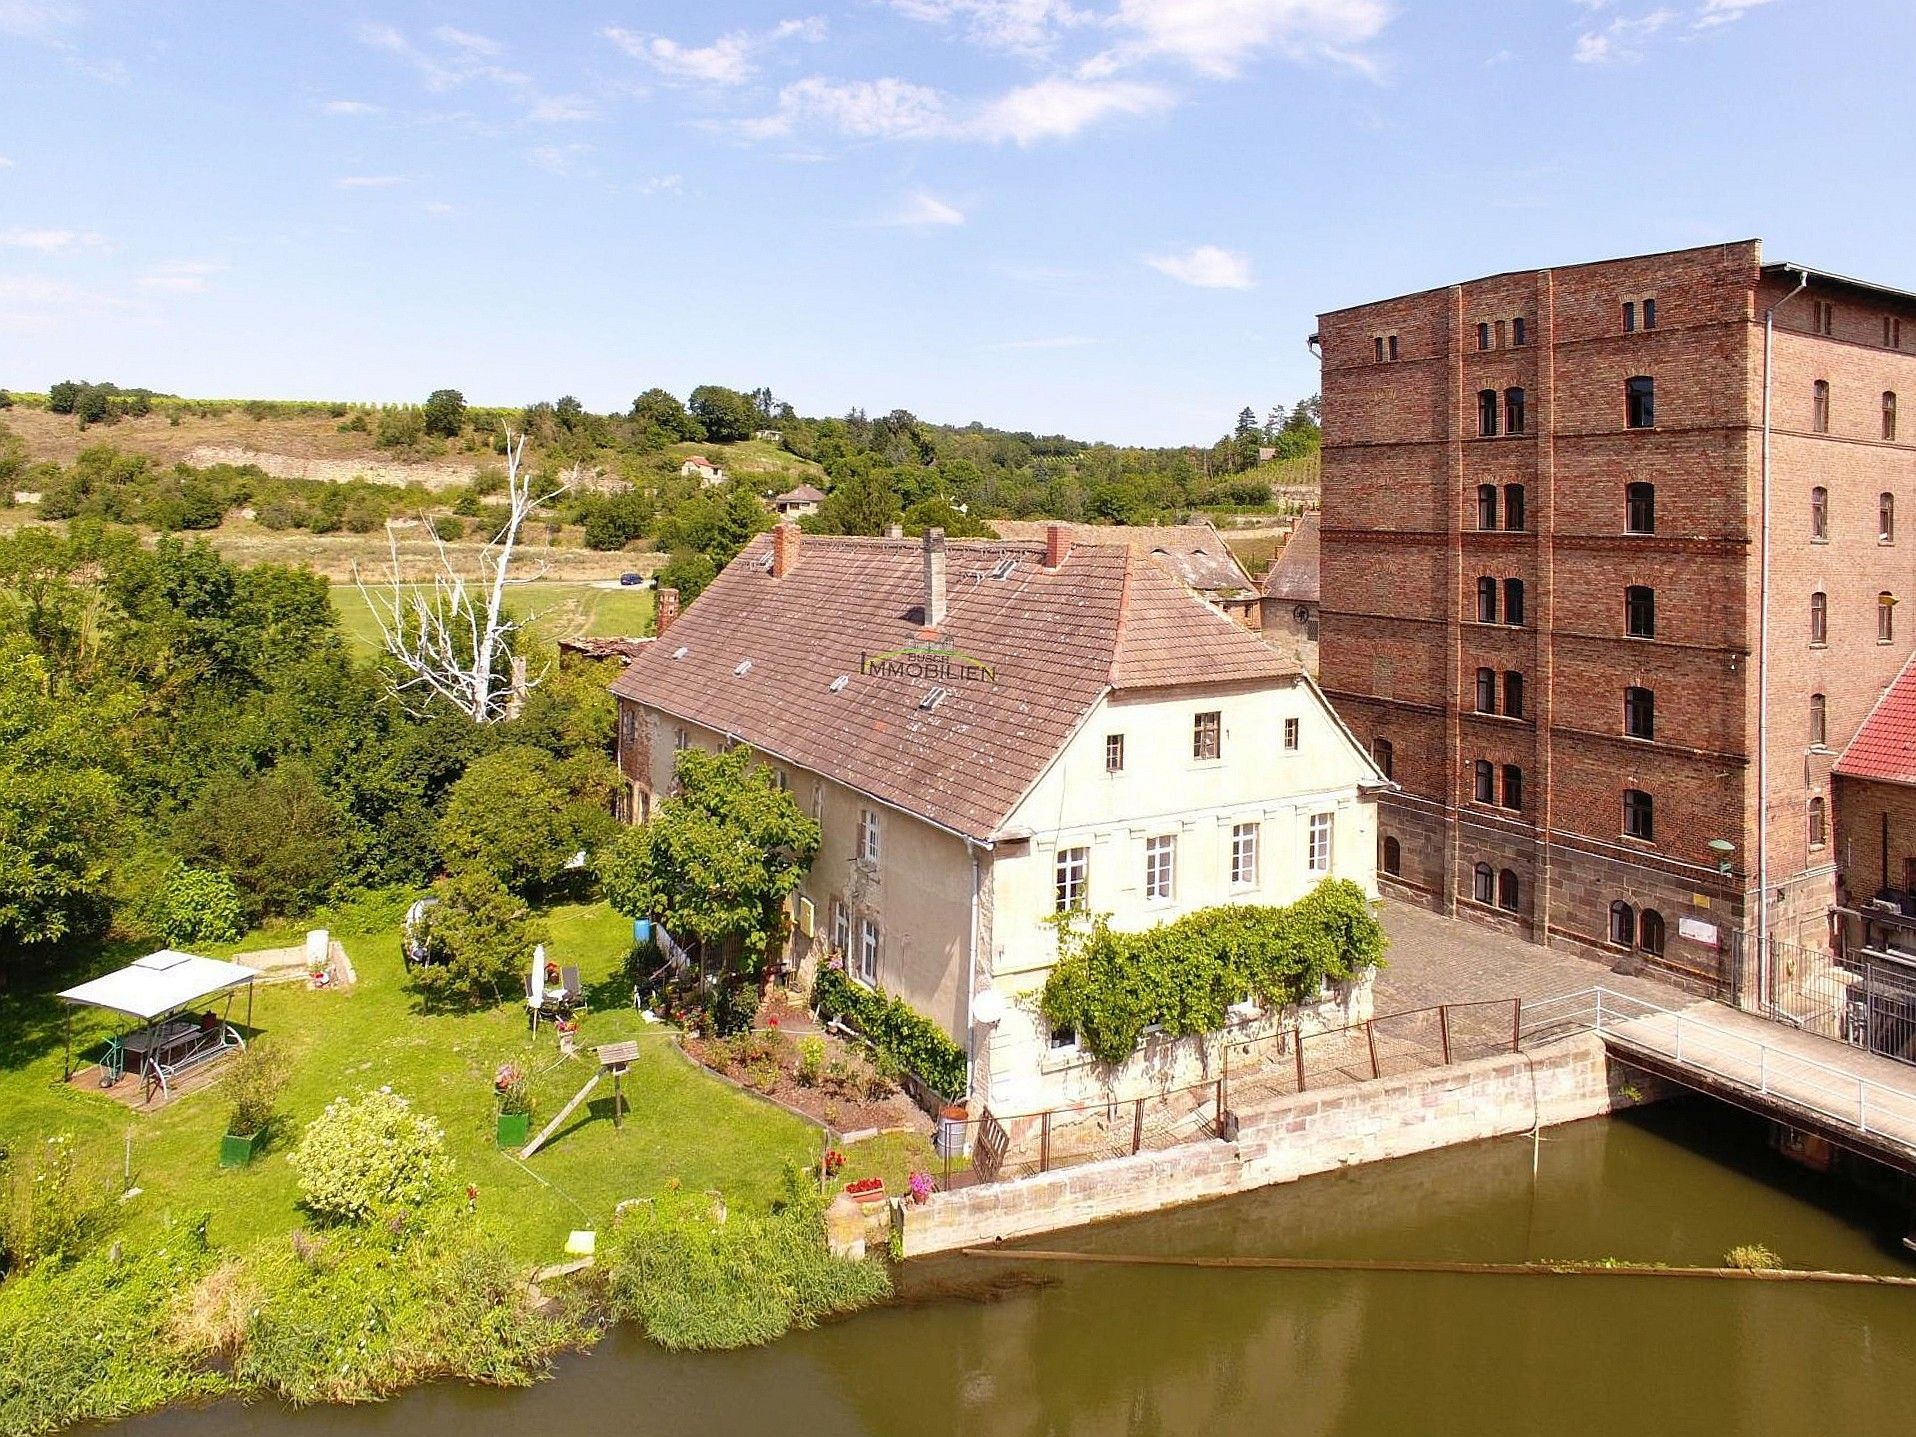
{"x":1291,"y":1137}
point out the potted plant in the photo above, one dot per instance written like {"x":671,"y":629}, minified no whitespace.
{"x":251,"y":1087}
{"x":921,"y":1188}
{"x":515,"y":1104}
{"x":866,"y":1190}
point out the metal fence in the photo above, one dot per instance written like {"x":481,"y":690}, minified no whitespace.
{"x":1252,"y":1069}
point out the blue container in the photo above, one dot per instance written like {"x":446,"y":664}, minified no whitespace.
{"x":641,"y":930}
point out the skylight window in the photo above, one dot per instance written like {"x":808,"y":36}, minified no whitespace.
{"x":744,"y":668}
{"x":838,"y":684}
{"x":680,"y":652}
{"x":1005,"y":566}
{"x":931,"y":700}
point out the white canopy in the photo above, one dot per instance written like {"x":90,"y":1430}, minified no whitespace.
{"x":160,"y":983}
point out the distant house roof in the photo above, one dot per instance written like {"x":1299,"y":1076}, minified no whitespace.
{"x":700,"y":460}
{"x":803,"y":494}
{"x":1884,"y":749}
{"x":1293,"y":576}
{"x":826,"y":667}
{"x":1195,"y":554}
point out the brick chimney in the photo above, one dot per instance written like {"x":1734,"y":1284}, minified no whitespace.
{"x":934,"y":578}
{"x":784,"y":549}
{"x":1057,"y":543}
{"x":668,"y":611}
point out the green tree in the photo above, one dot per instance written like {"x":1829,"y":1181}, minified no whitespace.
{"x":660,"y":411}
{"x":481,"y":938}
{"x":445,"y":413}
{"x":863,"y":502}
{"x":63,"y":396}
{"x":281,"y":836}
{"x":937,"y":513}
{"x":687,"y":571}
{"x":60,"y":806}
{"x":718,"y":859}
{"x":725,"y":414}
{"x":195,"y":905}
{"x":516,"y":816}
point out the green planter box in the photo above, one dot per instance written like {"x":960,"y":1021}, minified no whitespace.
{"x":513,"y":1128}
{"x":237,"y":1151}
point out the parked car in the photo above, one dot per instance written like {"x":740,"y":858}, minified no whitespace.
{"x":632,"y":581}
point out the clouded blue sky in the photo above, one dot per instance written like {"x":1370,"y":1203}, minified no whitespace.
{"x":1112,"y":218}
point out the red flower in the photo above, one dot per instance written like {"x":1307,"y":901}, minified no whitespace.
{"x":772,"y":1021}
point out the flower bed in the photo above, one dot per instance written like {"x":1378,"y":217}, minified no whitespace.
{"x":816,"y":1074}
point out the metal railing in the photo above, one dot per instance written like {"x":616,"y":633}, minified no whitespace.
{"x":1692,"y":1040}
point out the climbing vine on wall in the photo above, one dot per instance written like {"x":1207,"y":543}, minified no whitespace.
{"x":1182,"y":976}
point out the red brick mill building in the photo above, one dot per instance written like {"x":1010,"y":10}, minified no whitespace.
{"x":1542,"y":575}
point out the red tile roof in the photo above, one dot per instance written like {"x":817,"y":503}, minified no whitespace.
{"x":803,"y":494}
{"x":1043,"y":646}
{"x":1195,"y":553}
{"x":1293,"y":577}
{"x":1884,"y":748}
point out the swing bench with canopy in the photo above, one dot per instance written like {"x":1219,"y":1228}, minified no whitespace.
{"x":157,"y":990}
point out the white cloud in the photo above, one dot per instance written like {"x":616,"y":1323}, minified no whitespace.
{"x":1059,"y":108}
{"x":1622,"y":39}
{"x":369,"y":182}
{"x":178,"y":276}
{"x":1217,"y":37}
{"x":5,"y":163}
{"x":865,"y":109}
{"x":349,"y":107}
{"x":1021,"y":26}
{"x":36,"y":19}
{"x":1724,"y":12}
{"x":436,"y":207}
{"x":1206,"y":267}
{"x":662,"y":185}
{"x":461,"y":56}
{"x":729,"y":60}
{"x":559,"y":109}
{"x":52,"y":241}
{"x":923,"y":210}
{"x":557,"y":159}
{"x":466,"y":41}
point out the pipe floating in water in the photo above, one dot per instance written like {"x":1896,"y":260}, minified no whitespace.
{"x":1569,"y":1268}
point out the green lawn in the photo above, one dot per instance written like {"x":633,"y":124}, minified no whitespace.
{"x":559,"y":609}
{"x":682,"y":1124}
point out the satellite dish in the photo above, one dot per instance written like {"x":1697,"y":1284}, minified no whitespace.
{"x":988,"y":1007}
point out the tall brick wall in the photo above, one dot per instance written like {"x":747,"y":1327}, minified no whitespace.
{"x":1402,"y":553}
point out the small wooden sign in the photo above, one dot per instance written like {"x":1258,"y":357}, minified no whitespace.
{"x":617,"y":1055}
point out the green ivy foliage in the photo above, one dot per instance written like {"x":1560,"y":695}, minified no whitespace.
{"x":1182,"y":976}
{"x":897,"y":1030}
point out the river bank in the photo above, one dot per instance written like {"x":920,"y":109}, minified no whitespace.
{"x":966,"y":1346}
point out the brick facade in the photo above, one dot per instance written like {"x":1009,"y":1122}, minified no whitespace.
{"x":1403,"y":641}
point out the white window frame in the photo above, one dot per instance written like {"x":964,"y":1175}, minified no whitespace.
{"x":1293,"y":734}
{"x":1216,"y":733}
{"x":1071,"y":880}
{"x":1114,"y":749}
{"x":681,"y":739}
{"x":841,"y":928}
{"x":1321,"y":842}
{"x":1161,"y":868}
{"x":868,"y":836}
{"x":865,"y":963}
{"x":1245,"y":838}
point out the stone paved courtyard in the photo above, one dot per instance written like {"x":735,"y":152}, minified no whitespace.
{"x":1435,"y":960}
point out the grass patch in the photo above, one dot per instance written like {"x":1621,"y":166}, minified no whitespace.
{"x":559,"y":610}
{"x":682,"y":1123}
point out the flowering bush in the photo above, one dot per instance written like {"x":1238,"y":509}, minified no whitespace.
{"x":921,"y":1188}
{"x":369,"y":1157}
{"x":515,"y":1096}
{"x":865,"y":1185}
{"x":834,"y":1160}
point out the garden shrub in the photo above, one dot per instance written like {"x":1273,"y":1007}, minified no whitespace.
{"x":1183,"y":976}
{"x":369,"y":1157}
{"x":55,"y":1204}
{"x":693,"y":1281}
{"x":904,"y":1035}
{"x":480,"y":939}
{"x":251,"y":1087}
{"x":357,"y":1314}
{"x":90,"y":1341}
{"x":196,"y":905}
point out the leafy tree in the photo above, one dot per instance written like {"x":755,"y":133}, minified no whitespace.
{"x":445,"y":413}
{"x":60,"y":806}
{"x":938,"y":514}
{"x":481,"y":938}
{"x":718,"y":859}
{"x":516,"y":816}
{"x":1246,"y":422}
{"x":725,"y":414}
{"x":861,"y":503}
{"x":568,"y":411}
{"x":687,"y":571}
{"x":281,"y":836}
{"x":400,"y":429}
{"x":6,"y":400}
{"x":63,"y":396}
{"x":92,"y":406}
{"x":195,"y":905}
{"x":660,"y":410}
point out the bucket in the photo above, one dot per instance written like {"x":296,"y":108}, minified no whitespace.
{"x":949,"y":1140}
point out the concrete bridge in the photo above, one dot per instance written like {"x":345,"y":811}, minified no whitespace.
{"x":1853,"y":1099}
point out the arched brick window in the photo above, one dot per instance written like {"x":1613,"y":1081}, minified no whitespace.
{"x":1819,"y":617}
{"x":1484,"y":884}
{"x":1820,"y":406}
{"x":1393,"y":855}
{"x":1623,"y":924}
{"x":1508,"y":893}
{"x":1650,"y":932}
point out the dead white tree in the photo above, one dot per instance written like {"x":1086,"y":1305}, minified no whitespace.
{"x":449,"y":638}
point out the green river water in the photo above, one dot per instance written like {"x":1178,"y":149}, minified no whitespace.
{"x":1003,"y":1347}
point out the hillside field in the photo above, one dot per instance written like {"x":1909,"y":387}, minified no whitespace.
{"x":558,"y":610}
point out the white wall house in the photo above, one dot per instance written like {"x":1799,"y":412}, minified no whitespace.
{"x":987,"y":731}
{"x":708,"y":473}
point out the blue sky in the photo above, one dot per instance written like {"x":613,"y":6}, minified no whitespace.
{"x":1111,"y":218}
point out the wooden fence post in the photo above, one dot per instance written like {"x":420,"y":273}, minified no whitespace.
{"x":1370,"y":1037}
{"x":1443,"y":1029}
{"x":1044,"y":1141}
{"x":1297,"y":1049}
{"x":1137,"y":1127}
